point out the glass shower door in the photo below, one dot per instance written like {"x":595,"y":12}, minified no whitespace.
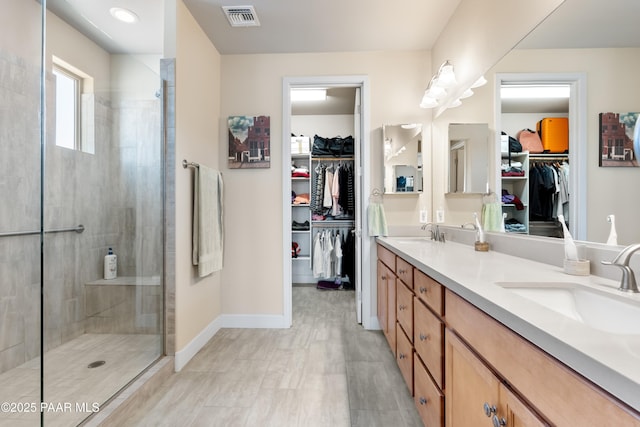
{"x":20,"y":209}
{"x":103,"y":290}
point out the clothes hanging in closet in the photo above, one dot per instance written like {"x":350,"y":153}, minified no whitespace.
{"x":333,"y":191}
{"x":548,"y":191}
{"x":332,"y":256}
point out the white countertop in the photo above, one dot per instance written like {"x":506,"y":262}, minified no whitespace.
{"x":610,"y":360}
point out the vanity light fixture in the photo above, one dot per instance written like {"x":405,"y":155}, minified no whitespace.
{"x":308,"y":94}
{"x":444,"y":79}
{"x":437,"y":94}
{"x":480,"y":82}
{"x":124,"y":15}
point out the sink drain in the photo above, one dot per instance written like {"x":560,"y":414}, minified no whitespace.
{"x":96,"y":364}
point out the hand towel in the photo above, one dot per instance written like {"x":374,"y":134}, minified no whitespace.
{"x":207,"y":220}
{"x":492,"y":216}
{"x":377,"y":220}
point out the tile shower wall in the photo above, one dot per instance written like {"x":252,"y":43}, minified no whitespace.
{"x":115,"y":193}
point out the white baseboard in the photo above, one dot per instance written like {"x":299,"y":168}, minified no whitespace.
{"x":182,"y":357}
{"x":245,"y":321}
{"x":254,"y":321}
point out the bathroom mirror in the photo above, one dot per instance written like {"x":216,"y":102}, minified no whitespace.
{"x":561,"y":44}
{"x":402,"y":156}
{"x":468,"y":158}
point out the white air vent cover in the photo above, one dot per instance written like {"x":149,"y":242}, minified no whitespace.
{"x":241,"y":16}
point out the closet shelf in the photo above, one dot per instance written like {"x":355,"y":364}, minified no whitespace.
{"x":300,"y":205}
{"x":515,"y":178}
{"x":512,"y":205}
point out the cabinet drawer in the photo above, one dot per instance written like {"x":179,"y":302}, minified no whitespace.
{"x":387,"y":257}
{"x":404,"y":271}
{"x":428,"y":399}
{"x":404,"y":357}
{"x":404,"y":310}
{"x":428,"y":340}
{"x":429,"y":291}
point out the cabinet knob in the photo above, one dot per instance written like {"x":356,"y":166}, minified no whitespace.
{"x":423,"y":290}
{"x":402,"y":356}
{"x":402,"y":270}
{"x":383,"y":277}
{"x":423,"y":400}
{"x":489,"y":409}
{"x":423,"y":337}
{"x":498,"y":422}
{"x":402,"y":307}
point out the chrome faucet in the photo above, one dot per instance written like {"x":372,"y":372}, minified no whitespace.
{"x":628,"y":282}
{"x":434,"y":232}
{"x":473,"y":226}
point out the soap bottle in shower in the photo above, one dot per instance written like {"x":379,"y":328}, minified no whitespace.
{"x":110,"y":265}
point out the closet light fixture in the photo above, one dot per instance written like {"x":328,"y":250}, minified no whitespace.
{"x":308,"y":94}
{"x":124,"y":15}
{"x":535,"y":91}
{"x":437,"y":89}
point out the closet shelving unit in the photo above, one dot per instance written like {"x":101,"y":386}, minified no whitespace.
{"x":301,"y":212}
{"x":518,"y":186}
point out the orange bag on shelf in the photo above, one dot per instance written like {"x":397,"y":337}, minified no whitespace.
{"x":530,"y":141}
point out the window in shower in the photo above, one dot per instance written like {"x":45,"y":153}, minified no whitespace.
{"x":74,"y":108}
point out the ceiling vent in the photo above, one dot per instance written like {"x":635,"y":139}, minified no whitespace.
{"x":241,"y":16}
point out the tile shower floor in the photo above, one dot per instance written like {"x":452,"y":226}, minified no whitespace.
{"x":71,"y":388}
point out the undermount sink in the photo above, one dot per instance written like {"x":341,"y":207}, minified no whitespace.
{"x":409,"y":240}
{"x":616,"y":314}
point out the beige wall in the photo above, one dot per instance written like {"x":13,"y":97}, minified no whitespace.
{"x":253,"y":277}
{"x":611,"y":86}
{"x":197,"y":103}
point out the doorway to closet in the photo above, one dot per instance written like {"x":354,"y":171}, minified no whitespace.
{"x":525,"y":111}
{"x":322,"y":239}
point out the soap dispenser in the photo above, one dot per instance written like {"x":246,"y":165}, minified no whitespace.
{"x":110,"y":265}
{"x":613,"y":235}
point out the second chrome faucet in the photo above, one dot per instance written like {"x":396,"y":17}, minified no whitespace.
{"x":434,"y":231}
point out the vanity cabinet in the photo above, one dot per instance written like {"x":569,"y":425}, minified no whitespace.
{"x":419,"y":332}
{"x":551,"y":389}
{"x":464,"y":368}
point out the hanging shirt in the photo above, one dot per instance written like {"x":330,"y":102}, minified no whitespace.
{"x":328,"y":183}
{"x":337,"y":252}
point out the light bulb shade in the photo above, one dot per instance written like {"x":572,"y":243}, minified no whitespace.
{"x":455,"y":104}
{"x":436,"y":92}
{"x":480,"y":82}
{"x":446,"y":77}
{"x":466,"y":94}
{"x":428,"y":102}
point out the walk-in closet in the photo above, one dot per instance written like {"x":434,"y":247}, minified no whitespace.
{"x":535,"y":185}
{"x":324,"y":192}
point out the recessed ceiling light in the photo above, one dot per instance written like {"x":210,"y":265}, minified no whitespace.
{"x":124,"y":15}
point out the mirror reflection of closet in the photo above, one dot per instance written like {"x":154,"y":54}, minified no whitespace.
{"x":402,"y":145}
{"x":468,"y":158}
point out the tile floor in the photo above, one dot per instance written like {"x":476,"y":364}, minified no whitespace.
{"x":325,"y":370}
{"x":68,"y":380}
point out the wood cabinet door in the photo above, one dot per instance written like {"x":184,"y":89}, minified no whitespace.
{"x":387,"y":303}
{"x":382,"y":295}
{"x":512,"y":412}
{"x":472,"y":391}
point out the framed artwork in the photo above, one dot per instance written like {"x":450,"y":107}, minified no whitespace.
{"x":619,"y":139}
{"x":249,"y":142}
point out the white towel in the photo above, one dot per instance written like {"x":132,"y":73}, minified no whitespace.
{"x":207,"y":220}
{"x":377,"y":220}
